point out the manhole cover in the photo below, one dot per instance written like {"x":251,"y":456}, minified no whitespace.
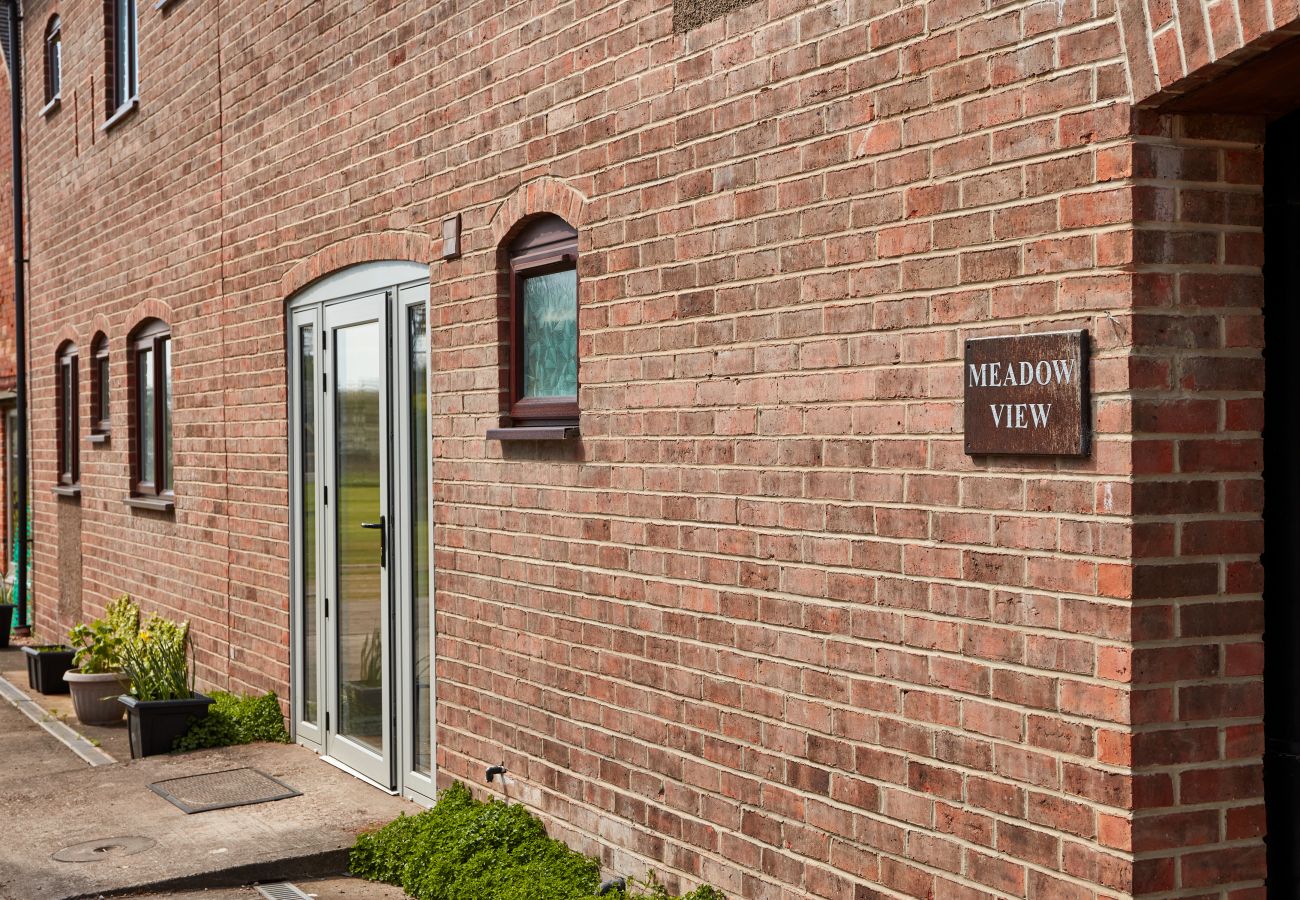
{"x":104,"y":848}
{"x":219,"y":790}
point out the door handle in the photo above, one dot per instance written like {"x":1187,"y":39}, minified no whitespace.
{"x":383,"y":540}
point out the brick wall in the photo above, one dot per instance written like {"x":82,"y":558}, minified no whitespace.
{"x":1174,"y":47}
{"x":765,"y":624}
{"x":1197,"y":411}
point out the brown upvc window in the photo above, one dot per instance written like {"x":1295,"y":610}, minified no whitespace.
{"x":151,"y":445}
{"x":543,"y":367}
{"x":122,"y":56}
{"x":68,"y":403}
{"x":100,"y":423}
{"x":53,"y":61}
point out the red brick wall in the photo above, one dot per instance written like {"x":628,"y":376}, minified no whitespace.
{"x":765,"y":624}
{"x":1174,"y":46}
{"x":1197,"y":410}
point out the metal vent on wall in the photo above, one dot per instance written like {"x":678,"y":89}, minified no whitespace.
{"x":282,"y":891}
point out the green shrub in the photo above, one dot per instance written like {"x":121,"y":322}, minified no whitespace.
{"x":462,"y":849}
{"x":236,"y":719}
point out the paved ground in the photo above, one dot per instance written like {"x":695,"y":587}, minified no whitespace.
{"x":112,"y":739}
{"x":340,"y":888}
{"x":53,"y":800}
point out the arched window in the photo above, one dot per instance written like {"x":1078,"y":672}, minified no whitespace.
{"x":68,"y":403}
{"x":100,"y":423}
{"x":543,"y":272}
{"x":151,"y":412}
{"x":53,"y":60}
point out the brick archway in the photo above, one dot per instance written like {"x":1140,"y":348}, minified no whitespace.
{"x":542,"y":195}
{"x":405,"y":245}
{"x":1175,"y":47}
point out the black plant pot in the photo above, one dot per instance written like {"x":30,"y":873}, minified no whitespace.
{"x":45,"y":667}
{"x":6,"y":622}
{"x":155,"y":725}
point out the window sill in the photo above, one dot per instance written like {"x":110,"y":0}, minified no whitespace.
{"x":534,"y":433}
{"x":156,"y":504}
{"x":100,"y":437}
{"x":123,"y":111}
{"x":51,"y":107}
{"x":163,"y":4}
{"x":66,"y":490}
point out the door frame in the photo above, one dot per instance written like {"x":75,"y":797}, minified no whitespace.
{"x":407,"y":285}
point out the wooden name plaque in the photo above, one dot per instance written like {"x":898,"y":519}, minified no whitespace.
{"x":1027,"y":394}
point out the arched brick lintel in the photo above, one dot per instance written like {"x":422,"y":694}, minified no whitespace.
{"x":1172,"y":48}
{"x":151,"y":308}
{"x":541,"y":195}
{"x":68,"y":335}
{"x":385,"y":245}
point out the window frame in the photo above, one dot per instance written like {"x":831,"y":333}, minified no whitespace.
{"x":53,"y":62}
{"x":68,"y":409}
{"x":152,"y":337}
{"x":118,"y":13}
{"x":100,"y":388}
{"x":541,"y":248}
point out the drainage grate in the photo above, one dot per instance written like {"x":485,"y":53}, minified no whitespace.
{"x":219,"y":790}
{"x":282,"y":891}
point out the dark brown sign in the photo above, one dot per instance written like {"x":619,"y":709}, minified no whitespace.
{"x":1027,"y":393}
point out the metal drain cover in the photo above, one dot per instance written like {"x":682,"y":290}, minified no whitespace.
{"x":219,"y":790}
{"x":282,"y":891}
{"x":104,"y":848}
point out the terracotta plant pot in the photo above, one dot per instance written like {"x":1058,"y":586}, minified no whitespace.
{"x":156,"y":724}
{"x":94,"y":697}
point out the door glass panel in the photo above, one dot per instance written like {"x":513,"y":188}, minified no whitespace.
{"x":551,"y":334}
{"x":146,"y":414}
{"x":417,"y":411}
{"x":307,"y":462}
{"x":358,"y":449}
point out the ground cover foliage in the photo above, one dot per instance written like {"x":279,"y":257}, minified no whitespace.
{"x":462,"y":849}
{"x":236,"y":719}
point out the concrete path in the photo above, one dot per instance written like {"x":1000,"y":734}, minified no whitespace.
{"x":341,"y":888}
{"x":112,"y":739}
{"x":52,"y":799}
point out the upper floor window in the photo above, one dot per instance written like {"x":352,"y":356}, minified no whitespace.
{"x":53,"y":61}
{"x":68,"y":403}
{"x":123,"y":70}
{"x":99,"y":407}
{"x":544,"y":323}
{"x":151,"y":449}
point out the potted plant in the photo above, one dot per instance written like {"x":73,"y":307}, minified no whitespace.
{"x":46,"y":664}
{"x":97,"y":680}
{"x":7,"y":608}
{"x":162,"y":703}
{"x":363,"y":699}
